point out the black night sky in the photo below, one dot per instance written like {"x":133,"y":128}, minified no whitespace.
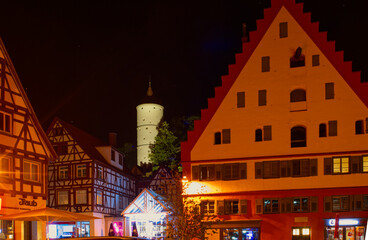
{"x":89,"y":62}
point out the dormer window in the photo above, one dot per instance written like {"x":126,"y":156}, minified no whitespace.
{"x":298,"y":59}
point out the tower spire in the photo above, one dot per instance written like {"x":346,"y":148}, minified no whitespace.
{"x":149,"y":91}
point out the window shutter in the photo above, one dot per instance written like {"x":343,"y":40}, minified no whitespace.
{"x":195,"y":172}
{"x":327,"y":203}
{"x":358,"y":202}
{"x":218,"y":168}
{"x":366,"y":125}
{"x":228,"y":207}
{"x":259,"y":170}
{"x":262,"y":98}
{"x":304,"y":168}
{"x":355,"y":162}
{"x":283,"y":168}
{"x":314,"y":204}
{"x":267,"y":131}
{"x":243,"y":170}
{"x":211,"y":172}
{"x":266,"y":64}
{"x":235,"y":171}
{"x":289,"y":202}
{"x":314,"y":167}
{"x":226,"y":171}
{"x":220,"y":207}
{"x":276,"y":169}
{"x":296,"y":168}
{"x":332,"y":128}
{"x":328,"y":166}
{"x":225,"y":136}
{"x":243,"y":206}
{"x":259,"y":206}
{"x":315,"y":60}
{"x":329,"y":91}
{"x":282,"y":205}
{"x":283,"y":29}
{"x":240,"y":99}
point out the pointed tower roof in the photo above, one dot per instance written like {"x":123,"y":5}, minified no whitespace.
{"x":150,"y":97}
{"x":336,"y":58}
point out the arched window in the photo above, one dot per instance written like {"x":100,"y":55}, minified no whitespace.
{"x":298,"y":95}
{"x":298,"y":137}
{"x":322,"y":130}
{"x":258,"y":135}
{"x":218,"y":138}
{"x":359,"y":127}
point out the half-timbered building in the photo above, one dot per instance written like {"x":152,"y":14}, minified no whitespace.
{"x":281,"y":151}
{"x":89,"y":176}
{"x":24,"y":154}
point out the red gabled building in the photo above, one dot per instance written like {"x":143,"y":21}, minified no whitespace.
{"x":282,"y":147}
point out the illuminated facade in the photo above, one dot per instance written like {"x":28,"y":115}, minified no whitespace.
{"x":146,"y":216}
{"x":25,"y":154}
{"x":149,"y":115}
{"x":282,"y":146}
{"x":88,"y":177}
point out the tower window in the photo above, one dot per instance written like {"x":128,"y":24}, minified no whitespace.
{"x":298,"y":137}
{"x":298,"y":59}
{"x":315,"y":60}
{"x":266,"y":64}
{"x":262,"y":98}
{"x":329,"y":91}
{"x":240,"y":99}
{"x":298,"y":95}
{"x":359,"y":127}
{"x":322,"y":130}
{"x":283,"y":29}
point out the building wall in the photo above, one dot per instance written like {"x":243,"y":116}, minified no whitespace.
{"x":205,"y":158}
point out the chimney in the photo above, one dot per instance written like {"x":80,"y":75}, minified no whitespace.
{"x":245,"y":33}
{"x":112,"y":139}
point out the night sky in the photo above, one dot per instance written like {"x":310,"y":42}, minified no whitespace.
{"x":88,"y":62}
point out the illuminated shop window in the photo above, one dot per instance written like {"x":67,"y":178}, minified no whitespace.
{"x":296,"y":232}
{"x":305,"y":231}
{"x":340,"y":165}
{"x":31,"y":171}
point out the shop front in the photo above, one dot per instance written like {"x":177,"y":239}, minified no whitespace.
{"x":69,"y":229}
{"x":146,"y":216}
{"x":237,"y":230}
{"x":349,"y":228}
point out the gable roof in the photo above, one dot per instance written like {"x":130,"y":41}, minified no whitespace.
{"x":344,"y":68}
{"x":32,"y":113}
{"x":86,"y":141}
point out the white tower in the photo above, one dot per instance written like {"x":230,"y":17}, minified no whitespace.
{"x":149,"y":115}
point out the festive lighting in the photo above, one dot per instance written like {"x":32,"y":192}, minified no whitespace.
{"x":344,"y":222}
{"x":196,"y":188}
